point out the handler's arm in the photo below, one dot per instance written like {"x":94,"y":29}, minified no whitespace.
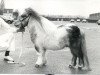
{"x":7,"y":26}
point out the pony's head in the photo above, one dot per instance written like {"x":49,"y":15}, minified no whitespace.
{"x":23,"y":19}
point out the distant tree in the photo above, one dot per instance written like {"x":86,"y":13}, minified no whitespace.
{"x":1,"y":12}
{"x":2,"y":7}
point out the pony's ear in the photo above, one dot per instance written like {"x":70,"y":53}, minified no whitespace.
{"x":29,"y":11}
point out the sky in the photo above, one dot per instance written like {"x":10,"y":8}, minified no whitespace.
{"x":57,"y":7}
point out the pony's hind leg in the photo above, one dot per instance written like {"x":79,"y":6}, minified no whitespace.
{"x":86,"y":64}
{"x":73,"y":62}
{"x":41,"y":60}
{"x":85,"y":56}
{"x":80,"y":63}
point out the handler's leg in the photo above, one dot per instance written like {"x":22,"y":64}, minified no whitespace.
{"x":7,"y":57}
{"x":11,"y":47}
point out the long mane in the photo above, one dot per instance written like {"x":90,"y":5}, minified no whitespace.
{"x":33,"y":14}
{"x":45,"y":23}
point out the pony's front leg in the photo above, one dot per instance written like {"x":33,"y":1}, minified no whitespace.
{"x":41,"y":61}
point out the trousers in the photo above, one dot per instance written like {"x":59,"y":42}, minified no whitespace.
{"x":7,"y":42}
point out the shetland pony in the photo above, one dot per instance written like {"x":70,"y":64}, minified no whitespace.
{"x":47,"y":36}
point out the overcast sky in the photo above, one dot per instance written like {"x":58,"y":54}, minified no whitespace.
{"x":57,"y":7}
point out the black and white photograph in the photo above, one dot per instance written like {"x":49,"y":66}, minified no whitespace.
{"x":50,"y":37}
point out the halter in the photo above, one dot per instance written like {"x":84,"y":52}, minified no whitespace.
{"x":22,"y":20}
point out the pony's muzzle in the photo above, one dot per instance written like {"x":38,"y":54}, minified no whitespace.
{"x":17,"y":24}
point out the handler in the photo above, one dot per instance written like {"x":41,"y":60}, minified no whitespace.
{"x":7,"y":38}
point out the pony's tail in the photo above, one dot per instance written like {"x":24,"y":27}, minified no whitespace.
{"x":84,"y":51}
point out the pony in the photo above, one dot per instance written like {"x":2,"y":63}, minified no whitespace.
{"x":45,"y":35}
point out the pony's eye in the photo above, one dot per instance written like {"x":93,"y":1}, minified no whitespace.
{"x":23,"y":16}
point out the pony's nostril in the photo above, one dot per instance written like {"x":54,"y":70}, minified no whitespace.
{"x":17,"y":25}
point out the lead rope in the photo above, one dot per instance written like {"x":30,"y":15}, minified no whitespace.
{"x":21,"y":46}
{"x":18,"y":61}
{"x":21,"y":63}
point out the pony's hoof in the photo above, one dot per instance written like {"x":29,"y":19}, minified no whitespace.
{"x":37,"y":66}
{"x":44,"y":64}
{"x":80,"y":68}
{"x":70,"y":66}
